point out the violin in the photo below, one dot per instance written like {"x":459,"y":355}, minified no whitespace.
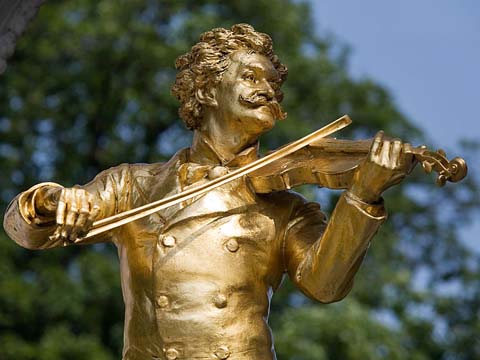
{"x":331,"y":163}
{"x":313,"y":159}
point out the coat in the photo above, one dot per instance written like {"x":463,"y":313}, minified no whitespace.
{"x":197,"y":278}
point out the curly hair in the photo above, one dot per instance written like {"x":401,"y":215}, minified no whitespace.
{"x":203,"y":66}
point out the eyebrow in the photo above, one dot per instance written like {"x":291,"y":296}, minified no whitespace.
{"x":254,"y":66}
{"x":257,"y":67}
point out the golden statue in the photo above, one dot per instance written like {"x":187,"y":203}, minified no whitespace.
{"x":198,"y":271}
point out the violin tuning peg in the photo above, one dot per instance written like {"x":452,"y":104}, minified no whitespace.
{"x":441,"y":152}
{"x":427,"y":167}
{"x":441,"y":180}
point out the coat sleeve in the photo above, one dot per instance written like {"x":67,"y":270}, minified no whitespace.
{"x":322,"y":258}
{"x":111,"y":189}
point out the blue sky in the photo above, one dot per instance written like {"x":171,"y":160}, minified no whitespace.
{"x":427,"y":53}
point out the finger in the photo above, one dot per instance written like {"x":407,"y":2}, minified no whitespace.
{"x":92,"y":216}
{"x":376,"y":145}
{"x":84,"y":223}
{"x":61,"y":208}
{"x":56,"y":234}
{"x":83,"y":210}
{"x":407,"y":148}
{"x":72,"y":213}
{"x":94,"y":213}
{"x":409,"y":157}
{"x":395,"y":156}
{"x":385,"y":153}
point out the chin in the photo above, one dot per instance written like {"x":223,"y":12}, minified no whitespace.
{"x":263,"y":120}
{"x":259,"y":126}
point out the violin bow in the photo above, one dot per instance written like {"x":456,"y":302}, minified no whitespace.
{"x":128,"y":216}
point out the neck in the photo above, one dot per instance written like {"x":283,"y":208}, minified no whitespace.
{"x":214,"y":142}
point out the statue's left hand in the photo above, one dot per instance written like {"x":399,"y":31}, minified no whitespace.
{"x":386,"y":165}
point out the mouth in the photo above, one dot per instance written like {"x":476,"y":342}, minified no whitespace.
{"x":256,"y":102}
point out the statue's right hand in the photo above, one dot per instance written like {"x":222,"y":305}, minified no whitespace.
{"x":76,"y":211}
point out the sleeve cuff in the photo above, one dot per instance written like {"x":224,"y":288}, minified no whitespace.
{"x":26,"y":204}
{"x":373,"y":210}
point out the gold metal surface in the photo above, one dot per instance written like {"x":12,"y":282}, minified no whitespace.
{"x":117,"y":220}
{"x":202,"y":246}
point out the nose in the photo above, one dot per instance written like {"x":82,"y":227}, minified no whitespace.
{"x":266,"y":90}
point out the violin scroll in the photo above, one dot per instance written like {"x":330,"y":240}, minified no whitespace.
{"x":453,"y":170}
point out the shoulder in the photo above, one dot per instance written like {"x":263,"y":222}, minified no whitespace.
{"x":292,"y":199}
{"x":294,"y":204}
{"x":134,"y":169}
{"x":145,"y":169}
{"x":289,"y":198}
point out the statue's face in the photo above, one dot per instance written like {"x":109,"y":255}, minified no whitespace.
{"x":246,"y":96}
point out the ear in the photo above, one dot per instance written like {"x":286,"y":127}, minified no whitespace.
{"x":207,"y":97}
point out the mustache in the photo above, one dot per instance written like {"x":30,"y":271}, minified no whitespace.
{"x":256,"y":100}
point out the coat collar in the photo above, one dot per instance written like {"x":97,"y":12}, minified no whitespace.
{"x":206,"y":154}
{"x":162,"y":180}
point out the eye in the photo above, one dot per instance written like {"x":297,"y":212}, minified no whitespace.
{"x":250,"y":76}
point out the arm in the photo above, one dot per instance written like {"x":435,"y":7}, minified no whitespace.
{"x":34,"y":215}
{"x":322,"y":259}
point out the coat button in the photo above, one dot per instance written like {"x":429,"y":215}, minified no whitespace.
{"x":222,"y":352}
{"x":232,"y":245}
{"x":220,"y":301}
{"x":171,"y":353}
{"x":162,"y":301}
{"x":169,"y":241}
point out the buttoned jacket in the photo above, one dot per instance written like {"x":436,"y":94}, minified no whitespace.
{"x":197,"y":278}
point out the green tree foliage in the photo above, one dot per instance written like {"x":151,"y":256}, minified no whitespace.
{"x":88,"y":88}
